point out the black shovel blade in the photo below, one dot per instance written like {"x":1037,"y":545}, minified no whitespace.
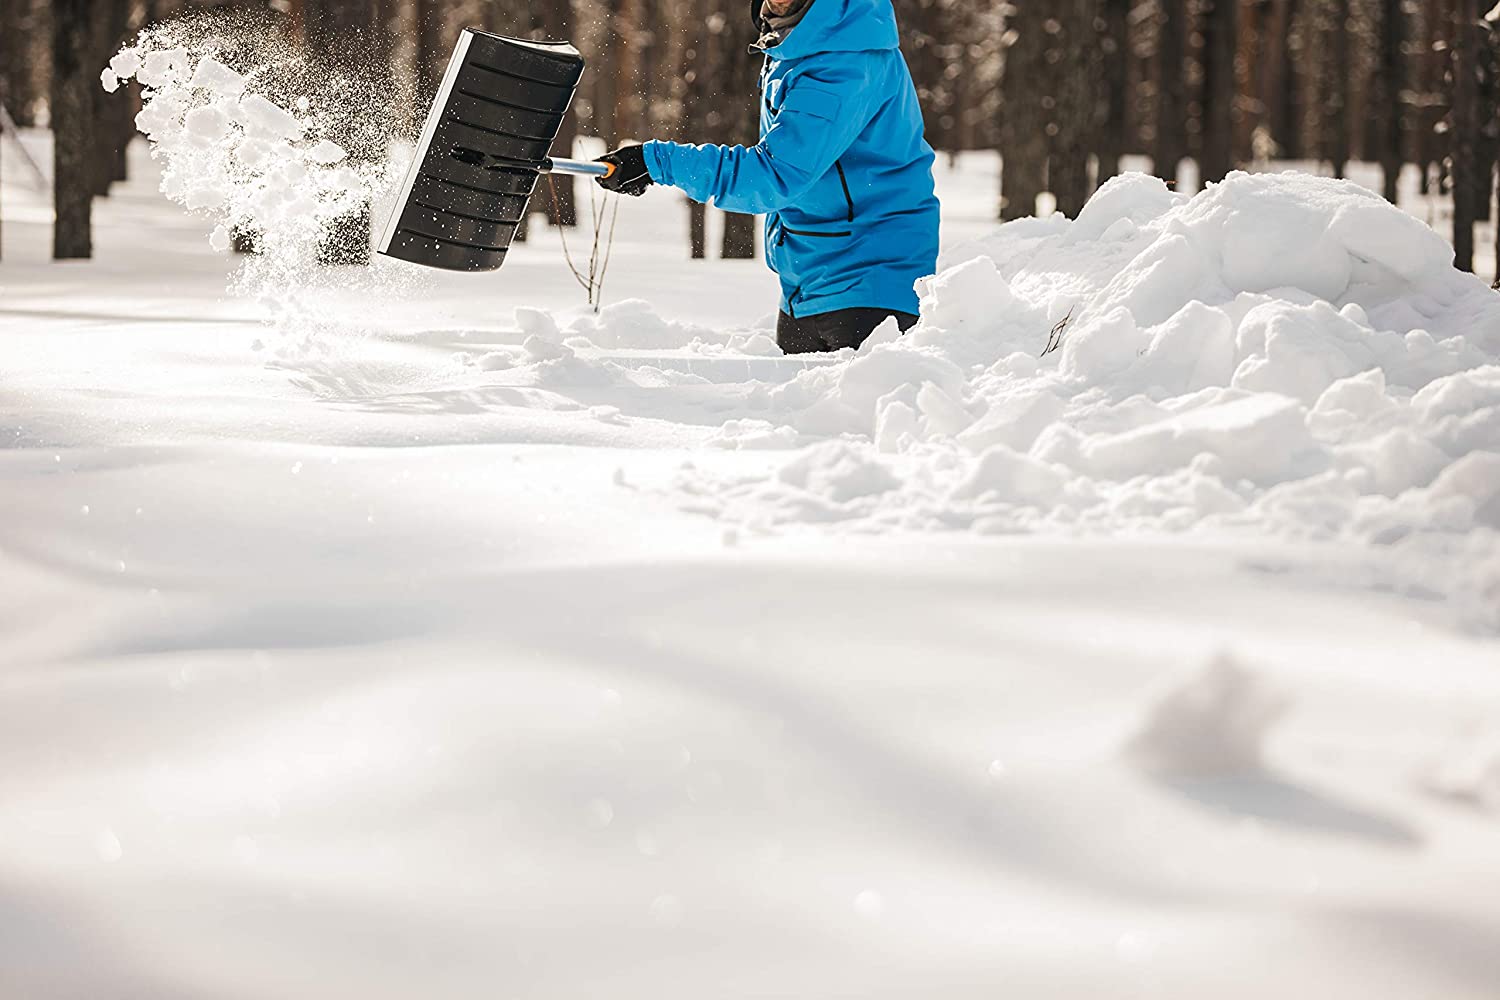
{"x":486,"y":138}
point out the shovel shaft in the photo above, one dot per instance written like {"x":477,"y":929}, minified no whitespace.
{"x":581,"y":167}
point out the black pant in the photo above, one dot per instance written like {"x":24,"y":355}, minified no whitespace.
{"x":834,"y":331}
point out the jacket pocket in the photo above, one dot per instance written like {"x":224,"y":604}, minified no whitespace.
{"x":810,"y":235}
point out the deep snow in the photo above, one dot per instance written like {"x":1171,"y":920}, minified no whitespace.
{"x":433,"y":636}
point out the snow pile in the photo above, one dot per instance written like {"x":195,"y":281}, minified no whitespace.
{"x":275,"y":151}
{"x":1213,"y":724}
{"x":1284,"y":354}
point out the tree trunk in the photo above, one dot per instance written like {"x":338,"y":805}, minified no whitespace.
{"x":1220,"y":42}
{"x":1075,"y":121}
{"x":1391,"y":84}
{"x":112,"y":112}
{"x":74,"y":79}
{"x":23,"y":25}
{"x":698,"y":229}
{"x":1115,"y":46}
{"x":341,"y":38}
{"x":4,"y":138}
{"x":737,"y":103}
{"x":1023,"y":123}
{"x":555,"y":22}
{"x":1336,"y":104}
{"x":1172,"y":107}
{"x":1467,"y":185}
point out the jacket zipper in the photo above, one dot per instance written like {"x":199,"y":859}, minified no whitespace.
{"x":849,"y":198}
{"x":802,"y":232}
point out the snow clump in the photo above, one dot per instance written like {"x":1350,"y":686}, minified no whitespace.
{"x":1213,"y":724}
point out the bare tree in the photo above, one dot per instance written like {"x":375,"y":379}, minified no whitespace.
{"x":1073,"y":129}
{"x":1172,"y":104}
{"x":1466,"y":182}
{"x":75,"y":77}
{"x":1220,"y":43}
{"x":734,"y":105}
{"x":1336,"y":88}
{"x":1391,"y":81}
{"x":1115,"y":98}
{"x":1023,"y":124}
{"x":113,"y":113}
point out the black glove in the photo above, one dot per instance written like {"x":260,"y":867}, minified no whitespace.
{"x":631,"y":176}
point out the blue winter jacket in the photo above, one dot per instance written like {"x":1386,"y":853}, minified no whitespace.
{"x":842,"y":170}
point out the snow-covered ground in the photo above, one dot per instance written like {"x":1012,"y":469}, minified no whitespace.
{"x":381,"y":634}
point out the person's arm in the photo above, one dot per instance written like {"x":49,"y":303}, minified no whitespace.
{"x":826,"y":107}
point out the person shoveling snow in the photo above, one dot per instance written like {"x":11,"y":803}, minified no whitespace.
{"x":842,"y":172}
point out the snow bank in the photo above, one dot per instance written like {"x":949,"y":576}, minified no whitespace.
{"x":1283,"y":354}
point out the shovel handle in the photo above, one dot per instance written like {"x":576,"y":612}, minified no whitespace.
{"x":580,"y":167}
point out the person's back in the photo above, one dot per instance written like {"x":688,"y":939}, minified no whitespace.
{"x":842,"y":172}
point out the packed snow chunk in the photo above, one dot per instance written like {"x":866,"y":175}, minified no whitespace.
{"x":1002,"y":475}
{"x":1473,"y":484}
{"x":1300,"y":350}
{"x":327,"y":153}
{"x":888,"y":332}
{"x":262,"y":118}
{"x":538,"y":350}
{"x":1212,"y":724}
{"x":1171,"y":272}
{"x":1273,"y":231}
{"x":1349,"y":404}
{"x":1193,"y":350}
{"x":220,"y":239}
{"x":1460,"y":430}
{"x":942,"y":415}
{"x":126,"y":63}
{"x":1373,"y":230}
{"x":207,"y":125}
{"x":840,"y":472}
{"x":1261,"y":438}
{"x":1459,"y":395}
{"x":1014,"y":420}
{"x":537,"y":323}
{"x":162,"y":67}
{"x":1395,"y":462}
{"x":1136,"y":198}
{"x":895,"y":424}
{"x":109,"y":80}
{"x":758,"y":435}
{"x":214,"y":76}
{"x":849,"y":405}
{"x":1102,"y":347}
{"x":970,"y":313}
{"x":635,"y":324}
{"x":204,"y":197}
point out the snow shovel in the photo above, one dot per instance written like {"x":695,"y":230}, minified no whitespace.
{"x":483,"y":147}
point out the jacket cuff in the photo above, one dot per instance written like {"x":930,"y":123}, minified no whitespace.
{"x":657,"y":162}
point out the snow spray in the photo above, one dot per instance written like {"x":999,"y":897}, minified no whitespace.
{"x":279,"y":152}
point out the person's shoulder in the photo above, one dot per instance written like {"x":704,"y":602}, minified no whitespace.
{"x":841,"y":67}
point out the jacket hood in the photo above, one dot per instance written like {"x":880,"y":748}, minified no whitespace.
{"x":838,"y":26}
